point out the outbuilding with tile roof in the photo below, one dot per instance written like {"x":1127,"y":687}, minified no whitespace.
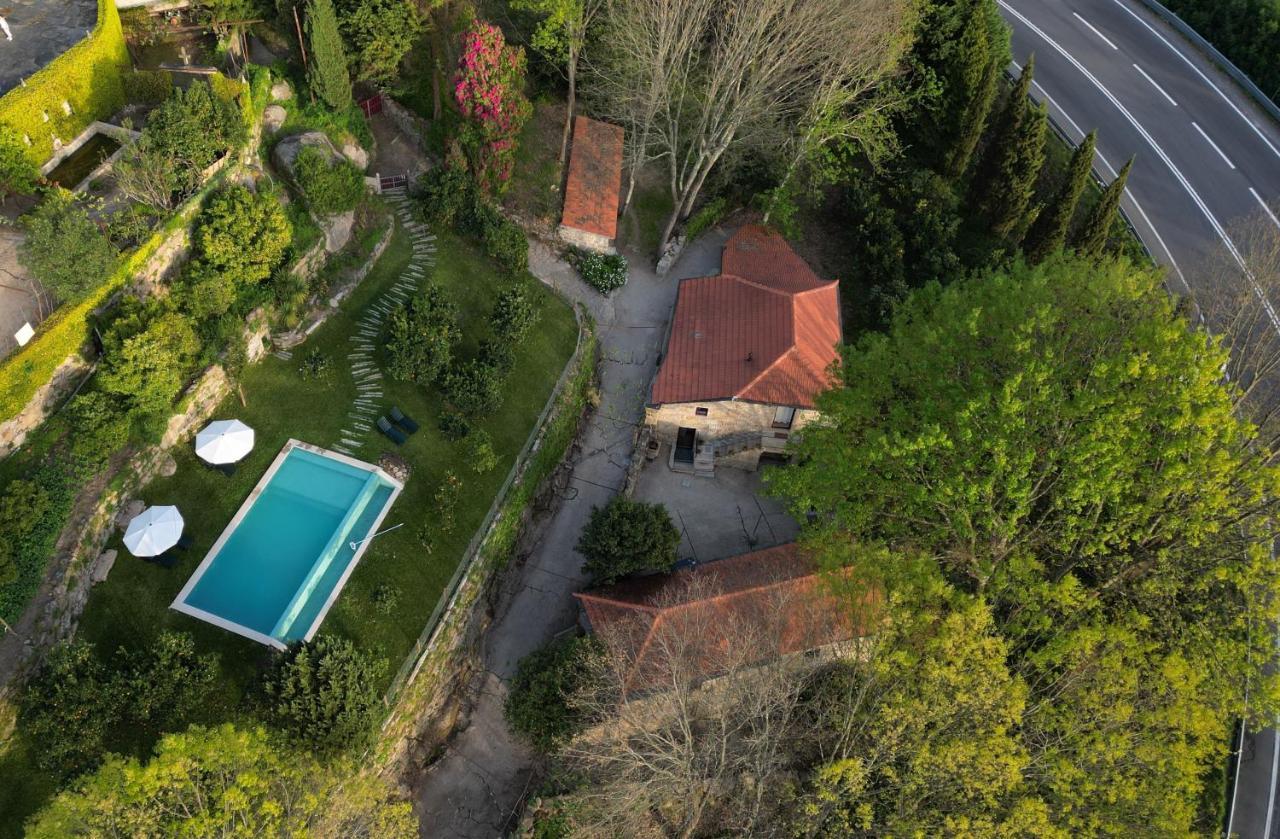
{"x":592,"y":190}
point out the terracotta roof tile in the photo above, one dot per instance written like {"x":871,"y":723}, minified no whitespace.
{"x":595,"y":178}
{"x":777,"y":589}
{"x":764,"y":330}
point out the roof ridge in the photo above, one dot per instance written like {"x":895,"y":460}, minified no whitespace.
{"x":761,"y":286}
{"x":587,"y":595}
{"x":737,"y":592}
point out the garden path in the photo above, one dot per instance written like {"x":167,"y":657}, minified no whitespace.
{"x":473,"y":789}
{"x":367,"y":406}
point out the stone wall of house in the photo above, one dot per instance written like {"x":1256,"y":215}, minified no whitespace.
{"x":724,"y":418}
{"x":587,"y":241}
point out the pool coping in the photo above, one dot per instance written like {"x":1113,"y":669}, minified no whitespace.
{"x":179,"y":603}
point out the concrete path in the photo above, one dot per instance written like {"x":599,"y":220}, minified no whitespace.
{"x":473,"y":789}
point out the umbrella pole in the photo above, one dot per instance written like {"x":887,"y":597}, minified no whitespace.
{"x":354,"y":545}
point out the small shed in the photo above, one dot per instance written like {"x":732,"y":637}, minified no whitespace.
{"x":591,"y":193}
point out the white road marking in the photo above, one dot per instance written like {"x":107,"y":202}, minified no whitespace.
{"x":1203,"y":77}
{"x":1156,"y":85}
{"x":1160,"y":152}
{"x":1210,"y":141}
{"x":1095,"y":31}
{"x":1267,"y":209}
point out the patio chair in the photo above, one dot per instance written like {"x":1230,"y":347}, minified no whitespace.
{"x":399,"y":418}
{"x":394,"y":434}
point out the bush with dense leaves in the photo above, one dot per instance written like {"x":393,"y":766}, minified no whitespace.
{"x":77,"y":700}
{"x":241,"y":233}
{"x":379,"y":33}
{"x":540,"y":704}
{"x":193,"y":128}
{"x":453,"y":425}
{"x":449,"y":197}
{"x":606,"y":273}
{"x":148,"y":355}
{"x":514,"y":314}
{"x":421,"y":335}
{"x":148,"y":87}
{"x":504,"y":241}
{"x":474,"y":388}
{"x":330,"y":185}
{"x":324,"y":694}
{"x":626,"y":536}
{"x":480,"y":453}
{"x":18,"y":175}
{"x":65,"y":249}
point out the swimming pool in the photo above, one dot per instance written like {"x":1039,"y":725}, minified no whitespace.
{"x":285,"y":556}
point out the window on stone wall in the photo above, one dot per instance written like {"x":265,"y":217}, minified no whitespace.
{"x":702,"y":412}
{"x":783,"y":416}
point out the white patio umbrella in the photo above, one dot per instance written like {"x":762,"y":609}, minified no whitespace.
{"x":154,"y":531}
{"x":224,"y":441}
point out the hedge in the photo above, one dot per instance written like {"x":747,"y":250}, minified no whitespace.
{"x":89,"y":77}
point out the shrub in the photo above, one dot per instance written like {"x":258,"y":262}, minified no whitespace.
{"x":163,"y":685}
{"x":514,"y":314}
{"x":204,"y":291}
{"x":147,"y":87}
{"x":505,"y":242}
{"x":324,"y":694}
{"x":446,"y":195}
{"x":474,"y":388}
{"x":488,"y":89}
{"x":65,"y":249}
{"x":101,"y":429}
{"x":32,"y":513}
{"x":446,"y":499}
{"x":706,"y":218}
{"x":606,"y":273}
{"x":540,"y":705}
{"x":385,"y":597}
{"x":480,"y":453}
{"x":421,"y":336}
{"x":498,"y":354}
{"x":132,"y":225}
{"x":242,"y":234}
{"x":453,"y":425}
{"x":18,"y":174}
{"x":193,"y":128}
{"x":327,"y":74}
{"x":626,"y":536}
{"x":148,"y":356}
{"x":380,"y":33}
{"x":315,"y":365}
{"x":330,"y":186}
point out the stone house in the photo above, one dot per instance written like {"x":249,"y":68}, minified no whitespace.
{"x":747,"y":354}
{"x":591,"y":192}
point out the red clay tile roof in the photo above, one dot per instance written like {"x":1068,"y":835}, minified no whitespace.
{"x":595,"y":178}
{"x":764,"y":330}
{"x":775,"y":590}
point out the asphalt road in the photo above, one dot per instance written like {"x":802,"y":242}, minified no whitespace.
{"x":1207,"y":166}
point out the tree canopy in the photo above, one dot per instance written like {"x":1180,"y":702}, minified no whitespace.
{"x":626,"y":536}
{"x":1063,"y":447}
{"x":65,"y":249}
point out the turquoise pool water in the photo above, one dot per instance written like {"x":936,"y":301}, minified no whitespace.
{"x":274,"y":570}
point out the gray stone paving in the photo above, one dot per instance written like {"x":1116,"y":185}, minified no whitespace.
{"x":42,"y":30}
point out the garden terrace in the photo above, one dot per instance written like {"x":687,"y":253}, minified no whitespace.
{"x":132,"y":606}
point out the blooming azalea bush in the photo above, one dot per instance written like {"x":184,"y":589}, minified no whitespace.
{"x":489,"y":90}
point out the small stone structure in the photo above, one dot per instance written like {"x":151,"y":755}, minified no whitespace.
{"x":337,"y":228}
{"x":591,"y":193}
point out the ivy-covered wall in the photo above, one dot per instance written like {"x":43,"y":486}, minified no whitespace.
{"x":88,"y":78}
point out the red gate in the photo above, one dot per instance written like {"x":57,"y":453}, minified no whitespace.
{"x":372,"y":105}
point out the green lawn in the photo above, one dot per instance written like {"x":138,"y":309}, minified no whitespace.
{"x":132,"y":606}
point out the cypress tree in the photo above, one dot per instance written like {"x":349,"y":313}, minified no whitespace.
{"x":1013,"y":180}
{"x":328,"y":75}
{"x":1095,"y":231}
{"x":1050,"y":230}
{"x":973,"y":77}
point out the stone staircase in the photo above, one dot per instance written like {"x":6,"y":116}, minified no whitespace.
{"x":704,"y":459}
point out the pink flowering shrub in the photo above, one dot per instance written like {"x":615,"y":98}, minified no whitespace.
{"x":488,"y":88}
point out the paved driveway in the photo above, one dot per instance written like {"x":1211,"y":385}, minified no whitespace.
{"x":471,"y":791}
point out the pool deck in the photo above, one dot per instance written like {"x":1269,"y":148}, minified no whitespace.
{"x":179,"y":603}
{"x":42,"y":30}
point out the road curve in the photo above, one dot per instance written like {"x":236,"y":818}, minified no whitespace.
{"x":1208,"y":161}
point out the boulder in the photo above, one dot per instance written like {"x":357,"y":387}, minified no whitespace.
{"x":102,"y":566}
{"x":281,"y":92}
{"x":337,"y":229}
{"x":358,"y":156}
{"x":129,"y":512}
{"x":167,"y":466}
{"x":273,"y":117}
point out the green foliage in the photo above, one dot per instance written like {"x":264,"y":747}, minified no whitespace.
{"x":76,"y":699}
{"x":480,"y":453}
{"x":87,"y":77}
{"x":64,"y":249}
{"x":17,"y":173}
{"x":380,"y":33}
{"x":1095,"y":231}
{"x":539,"y":706}
{"x":513,"y":314}
{"x":192,"y":129}
{"x":1246,"y":31}
{"x":971,"y":77}
{"x":226,"y":782}
{"x":32,"y":513}
{"x":148,"y":353}
{"x":242,"y":234}
{"x":148,"y":87}
{"x":447,"y":195}
{"x":324,"y":694}
{"x":385,"y":597}
{"x":316,"y":366}
{"x":626,"y":536}
{"x":101,"y":430}
{"x":1049,"y":233}
{"x":474,"y":388}
{"x":421,"y":336}
{"x":705,"y":218}
{"x":330,"y":186}
{"x":1007,"y":181}
{"x":328,"y":75}
{"x":1062,"y":446}
{"x":606,"y":273}
{"x":446,"y":501}
{"x":453,"y":425}
{"x":504,"y":241}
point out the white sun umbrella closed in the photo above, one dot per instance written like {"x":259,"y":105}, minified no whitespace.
{"x":154,"y":531}
{"x":224,"y":441}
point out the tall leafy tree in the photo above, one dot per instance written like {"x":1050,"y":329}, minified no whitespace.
{"x":1014,"y":160}
{"x":1049,"y":233}
{"x":328,"y":75}
{"x":65,"y":249}
{"x":1093,"y":234}
{"x":1061,"y":444}
{"x":972,"y":81}
{"x":380,"y":33}
{"x":561,"y":36}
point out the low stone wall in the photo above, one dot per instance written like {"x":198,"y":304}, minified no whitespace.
{"x":587,"y":241}
{"x":68,"y":376}
{"x":410,"y":125}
